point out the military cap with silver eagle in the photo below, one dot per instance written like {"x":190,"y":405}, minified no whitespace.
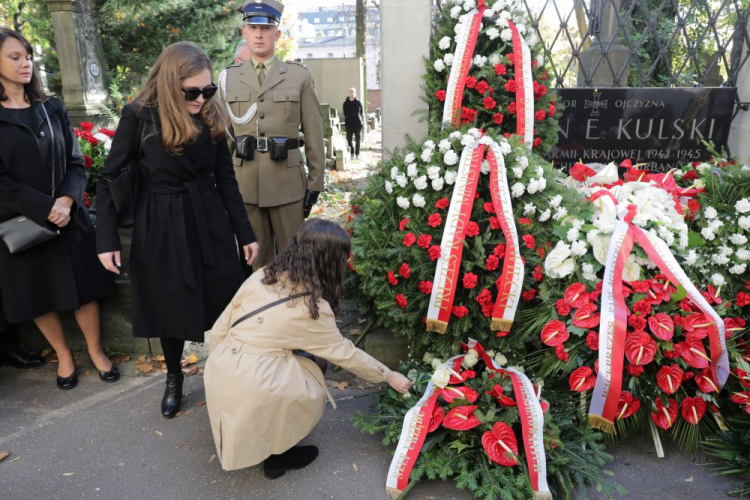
{"x":261,"y":12}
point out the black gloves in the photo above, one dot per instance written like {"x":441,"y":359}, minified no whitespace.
{"x":310,"y":198}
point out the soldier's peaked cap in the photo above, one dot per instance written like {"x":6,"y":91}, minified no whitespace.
{"x":261,"y":12}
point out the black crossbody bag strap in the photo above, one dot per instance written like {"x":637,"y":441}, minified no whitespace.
{"x":269,"y":306}
{"x":52,"y":147}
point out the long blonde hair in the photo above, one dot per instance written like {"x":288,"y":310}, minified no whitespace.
{"x":162,"y":90}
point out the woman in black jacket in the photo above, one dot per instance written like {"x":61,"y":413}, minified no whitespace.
{"x":62,"y":273}
{"x":189,"y":216}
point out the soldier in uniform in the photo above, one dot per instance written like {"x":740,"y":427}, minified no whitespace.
{"x":268,"y":100}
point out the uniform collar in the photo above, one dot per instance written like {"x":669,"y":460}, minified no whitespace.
{"x":267,"y":63}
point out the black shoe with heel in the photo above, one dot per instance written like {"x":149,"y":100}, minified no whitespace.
{"x":170,"y":403}
{"x":297,"y":457}
{"x":67,"y":383}
{"x":113,"y":375}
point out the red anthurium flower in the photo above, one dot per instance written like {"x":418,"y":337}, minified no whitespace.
{"x":706,"y":382}
{"x":665,"y":416}
{"x":582,"y":379}
{"x":437,"y":418}
{"x":693,"y":409}
{"x":497,"y":393}
{"x":464,"y":375}
{"x":743,"y":376}
{"x":741,"y":398}
{"x":627,"y":405}
{"x":711,"y":295}
{"x":662,"y":326}
{"x":501,"y":445}
{"x":545,"y":406}
{"x":692,"y":351}
{"x":554,"y":333}
{"x":669,"y":378}
{"x":640,"y":348}
{"x":461,"y":418}
{"x":581,"y":172}
{"x":627,"y":163}
{"x":733,"y":325}
{"x":575,"y":295}
{"x":697,"y":324}
{"x":586,"y":316}
{"x":450,"y":394}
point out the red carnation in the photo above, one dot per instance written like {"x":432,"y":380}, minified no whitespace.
{"x":109,"y":133}
{"x":460,"y":311}
{"x":401,"y":301}
{"x":592,"y":340}
{"x":402,"y":224}
{"x":392,"y":278}
{"x":471,"y":82}
{"x":634,"y":371}
{"x":528,"y":295}
{"x":425,"y":287}
{"x":482,"y":87}
{"x":489,"y":207}
{"x":529,"y":240}
{"x":563,"y":309}
{"x":434,"y":220}
{"x":642,"y":307}
{"x":434,"y":252}
{"x":472,"y":229}
{"x":409,"y":239}
{"x":540,"y":115}
{"x":551,"y":110}
{"x":500,"y":69}
{"x":440,"y":94}
{"x":495,"y":223}
{"x":742,"y":299}
{"x":510,"y":86}
{"x":87,"y":126}
{"x":442,"y":203}
{"x":484,"y":297}
{"x":537,"y":142}
{"x":487,"y":310}
{"x":524,"y":221}
{"x":491,"y":263}
{"x":511,"y":110}
{"x":424,"y":240}
{"x":499,"y":251}
{"x":489,"y":103}
{"x":468,"y":115}
{"x":405,"y":271}
{"x":470,"y":280}
{"x":561,"y":353}
{"x":87,"y":161}
{"x":497,"y":118}
{"x":538,"y":273}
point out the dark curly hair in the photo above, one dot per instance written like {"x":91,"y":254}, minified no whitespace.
{"x":33,"y":90}
{"x":315,"y":260}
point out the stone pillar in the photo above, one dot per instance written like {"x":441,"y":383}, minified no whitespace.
{"x":617,"y":54}
{"x":82,"y":64}
{"x":405,"y":41}
{"x":740,"y":130}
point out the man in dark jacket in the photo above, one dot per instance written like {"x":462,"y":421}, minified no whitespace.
{"x":353,"y":121}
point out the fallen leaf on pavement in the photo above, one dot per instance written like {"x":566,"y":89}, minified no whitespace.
{"x":188,"y":412}
{"x":159,"y":433}
{"x":144,"y":367}
{"x":200,"y":403}
{"x":14,"y":460}
{"x":182,"y":443}
{"x":4,"y":455}
{"x":68,"y":473}
{"x":361,"y":321}
{"x":340,"y":385}
{"x":88,"y":373}
{"x":355,"y":467}
{"x":142,"y":358}
{"x":190,"y":360}
{"x":211,"y":458}
{"x":45,"y":352}
{"x":160,"y":357}
{"x":354,"y":332}
{"x":192,"y":370}
{"x":689,"y":480}
{"x":121,"y":359}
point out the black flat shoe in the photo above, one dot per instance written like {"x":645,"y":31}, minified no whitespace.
{"x":113,"y":375}
{"x":170,"y":403}
{"x":297,"y":457}
{"x":67,"y":383}
{"x":17,"y":358}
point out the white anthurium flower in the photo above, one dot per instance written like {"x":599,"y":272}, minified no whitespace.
{"x":699,"y":183}
{"x":426,"y":155}
{"x":558,"y":263}
{"x":418,"y":200}
{"x":437,"y":184}
{"x":439,"y":65}
{"x":599,"y":246}
{"x":409,"y":158}
{"x":738,"y":269}
{"x":450,"y":177}
{"x":631,"y":271}
{"x":492,"y":33}
{"x":742,"y":206}
{"x":444,"y":43}
{"x":442,"y":376}
{"x":401,"y":180}
{"x":420,"y":182}
{"x":448,"y":59}
{"x":544,"y":216}
{"x":517,"y":190}
{"x":485,"y":167}
{"x":388,"y":187}
{"x":606,"y":214}
{"x":718,"y":280}
{"x":433,"y":172}
{"x":450,"y":157}
{"x":403,"y":202}
{"x":411,"y":170}
{"x":529,"y":209}
{"x":605,"y":174}
{"x":444,"y":145}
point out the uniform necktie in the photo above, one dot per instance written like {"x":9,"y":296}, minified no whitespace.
{"x":261,"y":73}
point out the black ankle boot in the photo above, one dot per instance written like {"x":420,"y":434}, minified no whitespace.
{"x":170,"y":403}
{"x":294,"y":458}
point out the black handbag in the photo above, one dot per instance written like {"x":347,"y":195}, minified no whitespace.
{"x":20,"y":233}
{"x":124,"y":188}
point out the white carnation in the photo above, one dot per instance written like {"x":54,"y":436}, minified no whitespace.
{"x":743,"y":254}
{"x":588,"y":272}
{"x":738,"y":269}
{"x":426,"y":155}
{"x":493,"y":33}
{"x":578,"y":248}
{"x":555,"y":202}
{"x":523,"y":161}
{"x":485,"y":167}
{"x":725,"y":250}
{"x":544,"y":216}
{"x":721,"y":260}
{"x":455,"y":11}
{"x":517,"y":189}
{"x":494,"y":59}
{"x":450,"y":157}
{"x":467,"y":140}
{"x":469,"y":4}
{"x":428,"y":357}
{"x":388,"y":187}
{"x":703,"y":168}
{"x":433,"y":172}
{"x":429,"y":144}
{"x":692,"y":258}
{"x":437,"y":184}
{"x":573,"y":234}
{"x":420,"y":182}
{"x":518,"y":173}
{"x":394,"y":173}
{"x":542,"y":184}
{"x":708,"y":234}
{"x":710,"y":213}
{"x":439,"y":65}
{"x":529,"y":209}
{"x":456,"y":134}
{"x":402,"y":202}
{"x":410,"y":158}
{"x":450,"y":177}
{"x":435,"y":363}
{"x":718,"y":280}
{"x":506,"y":35}
{"x":411,"y":170}
{"x":533,"y":184}
{"x":479,"y":61}
{"x":418,"y":200}
{"x":539,"y":58}
{"x":444,"y":43}
{"x":742,"y":206}
{"x":561,"y":212}
{"x":504,"y":145}
{"x":448,"y":59}
{"x":738,"y":239}
{"x":744,"y":222}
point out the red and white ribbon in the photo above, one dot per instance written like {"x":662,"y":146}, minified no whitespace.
{"x":511,"y":279}
{"x":462,"y":57}
{"x":524,"y":87}
{"x":452,"y":244}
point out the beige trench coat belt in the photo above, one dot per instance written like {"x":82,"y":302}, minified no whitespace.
{"x":237,"y":347}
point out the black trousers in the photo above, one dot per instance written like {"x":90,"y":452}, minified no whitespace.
{"x":356,"y":131}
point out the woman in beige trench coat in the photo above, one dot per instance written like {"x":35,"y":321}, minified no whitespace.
{"x":263,"y":399}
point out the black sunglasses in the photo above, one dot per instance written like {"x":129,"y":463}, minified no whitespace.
{"x":208,"y":92}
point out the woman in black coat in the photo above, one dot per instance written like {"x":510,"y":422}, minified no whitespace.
{"x":189,"y":216}
{"x":62,"y":273}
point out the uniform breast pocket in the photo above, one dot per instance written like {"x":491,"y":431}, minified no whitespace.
{"x":238,"y":101}
{"x":290,"y":100}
